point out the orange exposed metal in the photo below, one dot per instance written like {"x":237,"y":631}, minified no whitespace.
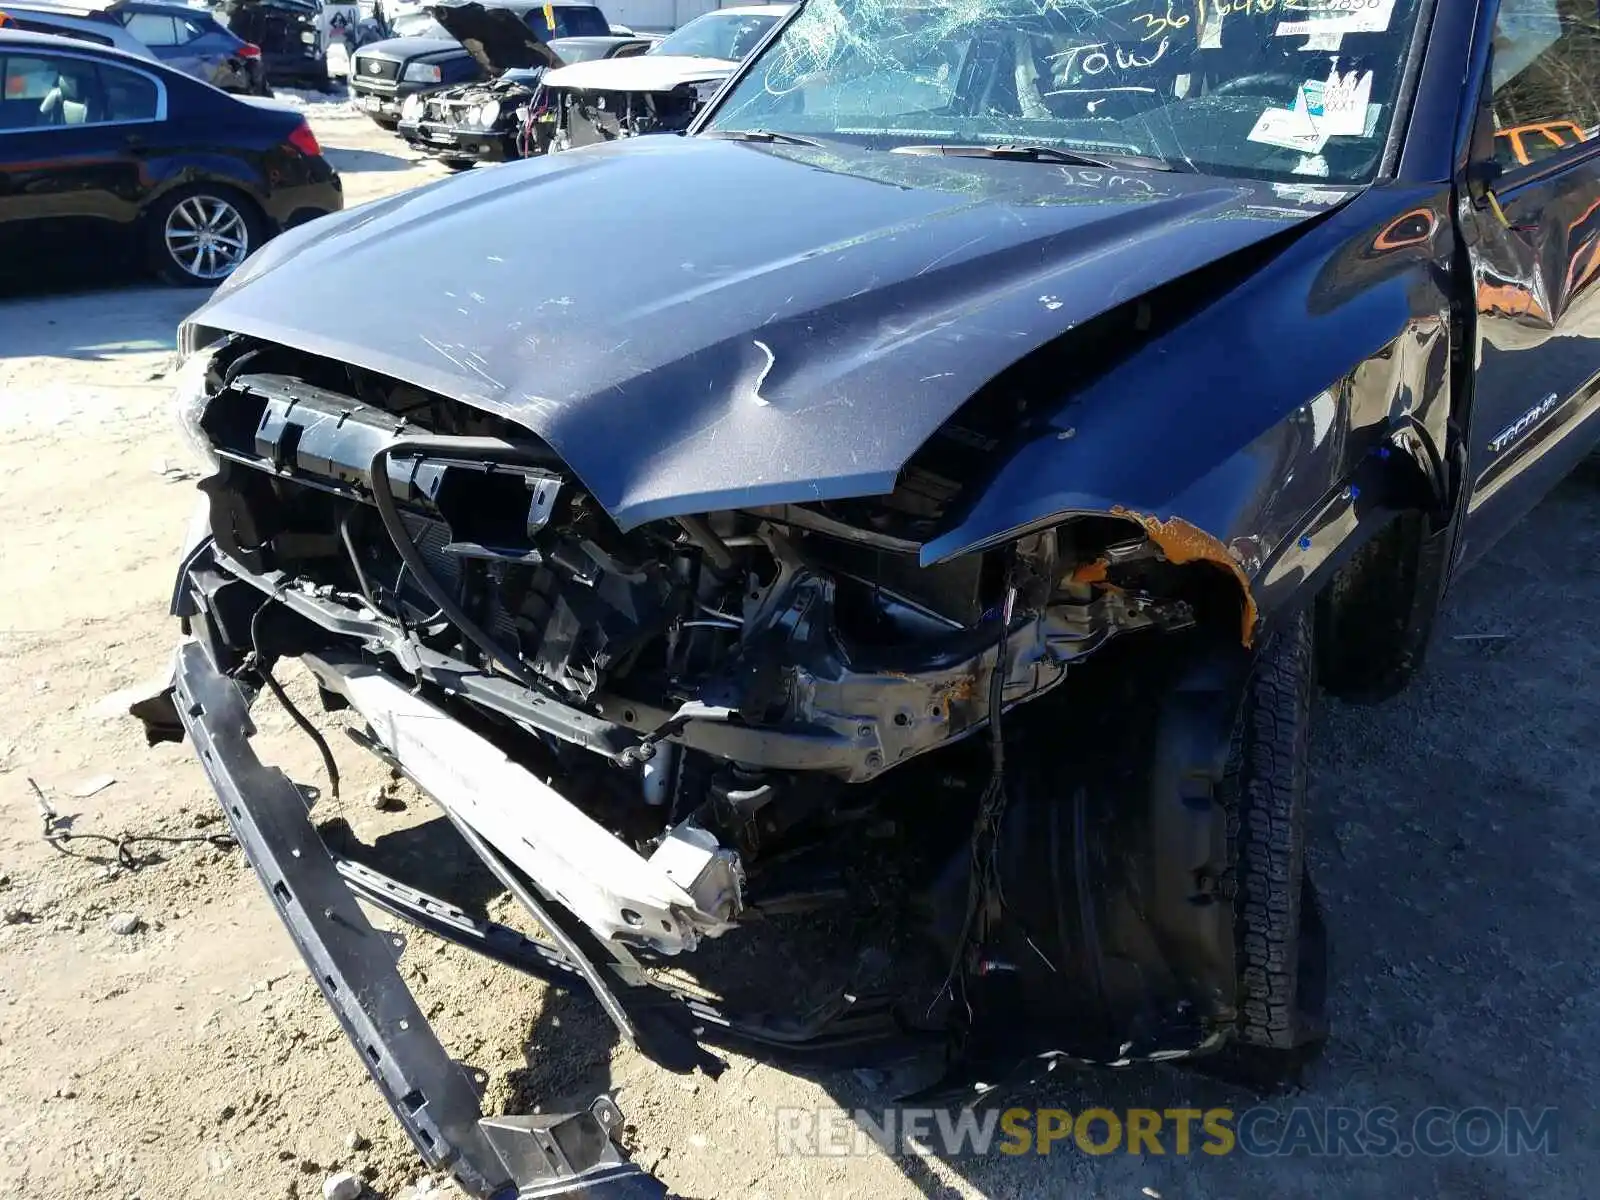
{"x":1184,"y":543}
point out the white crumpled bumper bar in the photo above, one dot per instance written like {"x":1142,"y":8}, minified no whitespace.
{"x":688,"y":889}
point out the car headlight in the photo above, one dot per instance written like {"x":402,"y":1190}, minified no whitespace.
{"x":487,"y":114}
{"x":412,"y":108}
{"x":423,"y":73}
{"x":189,"y":398}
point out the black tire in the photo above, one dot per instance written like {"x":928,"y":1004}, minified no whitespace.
{"x":1115,"y":861}
{"x":459,"y":164}
{"x":1369,"y":643}
{"x":1279,"y":942}
{"x":160,"y":257}
{"x":387,"y":124}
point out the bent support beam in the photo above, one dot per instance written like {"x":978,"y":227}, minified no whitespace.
{"x":353,"y":964}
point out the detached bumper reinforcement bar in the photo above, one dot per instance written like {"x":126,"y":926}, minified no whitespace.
{"x":571,"y":1155}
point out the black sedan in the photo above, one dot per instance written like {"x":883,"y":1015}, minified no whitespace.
{"x":103,"y":154}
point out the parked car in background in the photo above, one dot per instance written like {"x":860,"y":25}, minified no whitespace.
{"x":289,"y":32}
{"x":492,"y":121}
{"x":420,"y":58}
{"x":592,"y":49}
{"x":194,"y":41}
{"x":188,"y":39}
{"x":84,"y":24}
{"x":384,"y":74}
{"x":657,"y":92}
{"x":105,"y":154}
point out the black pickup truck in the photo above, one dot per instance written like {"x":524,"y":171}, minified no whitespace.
{"x":898,"y":528}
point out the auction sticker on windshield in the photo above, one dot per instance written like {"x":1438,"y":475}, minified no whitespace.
{"x":1341,"y":17}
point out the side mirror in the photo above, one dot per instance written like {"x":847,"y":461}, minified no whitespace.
{"x":1482,"y":176}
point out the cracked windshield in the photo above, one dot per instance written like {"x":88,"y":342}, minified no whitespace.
{"x":1272,"y":89}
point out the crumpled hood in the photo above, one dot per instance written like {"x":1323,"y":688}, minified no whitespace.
{"x":497,"y":37}
{"x":696,"y":324}
{"x":642,"y":73}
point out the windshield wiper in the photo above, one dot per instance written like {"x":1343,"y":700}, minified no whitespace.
{"x":1043,"y":154}
{"x":759,"y":135}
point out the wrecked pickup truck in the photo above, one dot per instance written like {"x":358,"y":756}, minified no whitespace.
{"x":955,"y":541}
{"x":660,"y":91}
{"x":488,"y":120}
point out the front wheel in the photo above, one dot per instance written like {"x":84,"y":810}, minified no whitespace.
{"x":1279,"y":943}
{"x":458,"y":164}
{"x":198,"y":236}
{"x":1150,"y":895}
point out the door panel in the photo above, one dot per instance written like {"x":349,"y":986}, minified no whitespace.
{"x":73,"y":176}
{"x":1537,"y":271}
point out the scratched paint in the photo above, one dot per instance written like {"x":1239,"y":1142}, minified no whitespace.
{"x":755,"y":388}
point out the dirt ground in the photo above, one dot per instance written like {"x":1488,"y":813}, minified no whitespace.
{"x":1454,"y":842}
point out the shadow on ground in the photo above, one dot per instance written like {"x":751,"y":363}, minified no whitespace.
{"x":92,"y":315}
{"x":366,"y":160}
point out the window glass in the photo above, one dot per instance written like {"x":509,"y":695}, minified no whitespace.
{"x":1546,"y":78}
{"x":418,"y":25}
{"x":1264,"y":89}
{"x":571,"y":52}
{"x":567,"y":20}
{"x":129,"y":96}
{"x":729,"y":36}
{"x":29,"y":78}
{"x":188,"y":30}
{"x":45,"y":92}
{"x":154,"y":29}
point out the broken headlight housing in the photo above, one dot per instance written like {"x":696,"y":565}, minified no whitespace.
{"x":412,"y":108}
{"x":705,"y":90}
{"x":190,"y":392}
{"x":486,"y":115}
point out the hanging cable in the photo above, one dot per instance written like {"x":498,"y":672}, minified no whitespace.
{"x":273,"y":686}
{"x":984,"y":872}
{"x":480,"y":448}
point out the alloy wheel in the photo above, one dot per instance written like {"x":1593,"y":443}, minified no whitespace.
{"x":207,"y":237}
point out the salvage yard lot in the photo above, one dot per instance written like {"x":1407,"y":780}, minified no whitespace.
{"x":1454,"y":842}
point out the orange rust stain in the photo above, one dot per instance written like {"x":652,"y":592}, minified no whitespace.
{"x":960,"y":690}
{"x":1094,"y":572}
{"x":1509,"y":300}
{"x":1184,"y":543}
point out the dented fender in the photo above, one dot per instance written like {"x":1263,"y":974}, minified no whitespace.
{"x":1275,"y":430}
